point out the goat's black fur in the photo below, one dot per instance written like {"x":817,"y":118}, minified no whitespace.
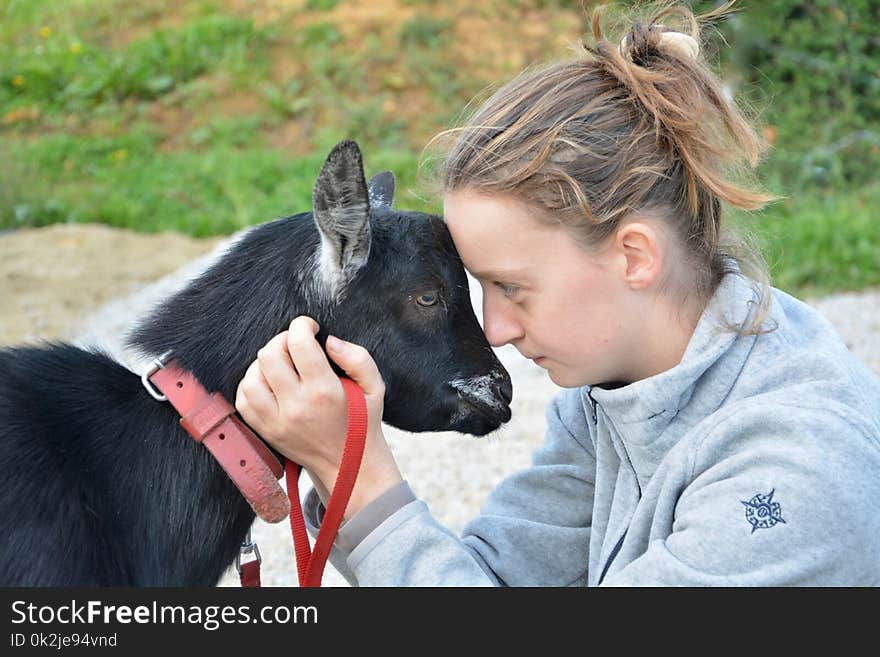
{"x":102,"y":487}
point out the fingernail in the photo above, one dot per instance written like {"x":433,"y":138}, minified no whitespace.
{"x":317,"y":327}
{"x":335,"y":344}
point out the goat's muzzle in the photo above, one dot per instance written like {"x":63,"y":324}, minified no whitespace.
{"x":482,"y":402}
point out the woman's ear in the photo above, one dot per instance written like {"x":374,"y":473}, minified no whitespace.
{"x":641,"y":247}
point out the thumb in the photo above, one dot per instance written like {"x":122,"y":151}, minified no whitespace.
{"x":358,"y":364}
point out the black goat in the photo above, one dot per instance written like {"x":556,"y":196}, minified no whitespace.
{"x":101,"y":485}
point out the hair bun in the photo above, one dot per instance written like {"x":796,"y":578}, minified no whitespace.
{"x":683,"y":45}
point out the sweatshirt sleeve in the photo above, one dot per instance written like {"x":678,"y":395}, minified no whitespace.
{"x":534,"y":529}
{"x":357,"y":528}
{"x":778,"y":495}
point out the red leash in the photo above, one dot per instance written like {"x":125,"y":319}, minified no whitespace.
{"x":211,"y":421}
{"x":309,"y":563}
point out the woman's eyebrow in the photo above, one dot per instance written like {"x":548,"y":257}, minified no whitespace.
{"x":501,"y":274}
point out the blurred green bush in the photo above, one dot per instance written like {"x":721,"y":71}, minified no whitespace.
{"x":814,"y":66}
{"x":205,"y":116}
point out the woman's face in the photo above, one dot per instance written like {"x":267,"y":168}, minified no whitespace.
{"x":558,"y":304}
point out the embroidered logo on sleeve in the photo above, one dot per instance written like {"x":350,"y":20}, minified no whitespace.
{"x":762,"y":512}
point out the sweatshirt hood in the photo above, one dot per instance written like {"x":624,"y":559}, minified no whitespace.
{"x":643,"y":412}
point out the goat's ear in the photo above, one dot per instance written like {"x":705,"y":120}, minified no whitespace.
{"x":341,"y":208}
{"x":381,"y":188}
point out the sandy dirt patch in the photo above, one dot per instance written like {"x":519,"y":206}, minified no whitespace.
{"x":51,"y":277}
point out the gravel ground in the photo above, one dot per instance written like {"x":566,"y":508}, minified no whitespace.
{"x":451,"y":473}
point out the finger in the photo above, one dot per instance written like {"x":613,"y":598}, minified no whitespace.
{"x":277,"y":368}
{"x":254,"y":398}
{"x":358,"y":364}
{"x":311,"y":363}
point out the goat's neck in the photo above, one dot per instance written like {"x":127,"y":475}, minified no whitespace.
{"x":216,"y":325}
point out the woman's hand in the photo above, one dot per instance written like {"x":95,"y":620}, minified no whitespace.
{"x":293,"y":399}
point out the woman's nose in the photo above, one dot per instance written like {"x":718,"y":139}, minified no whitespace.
{"x":500,"y":328}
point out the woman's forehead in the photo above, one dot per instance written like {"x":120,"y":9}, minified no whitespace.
{"x":482,"y":215}
{"x":497,"y":237}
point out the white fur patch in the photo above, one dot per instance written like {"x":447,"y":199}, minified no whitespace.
{"x":334,"y":274}
{"x":481,"y":388}
{"x":329,"y":274}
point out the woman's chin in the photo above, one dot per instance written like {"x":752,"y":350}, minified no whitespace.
{"x":564,"y":378}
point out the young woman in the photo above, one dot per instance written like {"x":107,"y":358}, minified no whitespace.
{"x":713,"y":430}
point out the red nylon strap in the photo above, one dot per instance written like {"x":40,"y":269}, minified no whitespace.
{"x":310,"y":563}
{"x":211,"y":420}
{"x":250,"y":574}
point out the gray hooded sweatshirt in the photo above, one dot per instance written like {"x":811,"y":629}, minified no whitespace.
{"x":753,"y":462}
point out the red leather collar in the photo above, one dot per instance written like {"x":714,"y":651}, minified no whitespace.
{"x":210,"y":419}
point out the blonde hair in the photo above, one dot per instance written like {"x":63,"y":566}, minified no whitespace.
{"x":638,"y":124}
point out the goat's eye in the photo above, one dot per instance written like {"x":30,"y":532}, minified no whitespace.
{"x":427,"y":299}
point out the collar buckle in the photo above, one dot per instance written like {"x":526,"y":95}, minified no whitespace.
{"x":155,"y":366}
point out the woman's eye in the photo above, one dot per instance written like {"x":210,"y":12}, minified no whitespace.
{"x":509,"y":290}
{"x":427,"y":299}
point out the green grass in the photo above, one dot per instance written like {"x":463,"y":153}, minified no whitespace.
{"x":82,"y":83}
{"x":67,"y":75}
{"x":126,"y":182}
{"x":818,"y":243}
